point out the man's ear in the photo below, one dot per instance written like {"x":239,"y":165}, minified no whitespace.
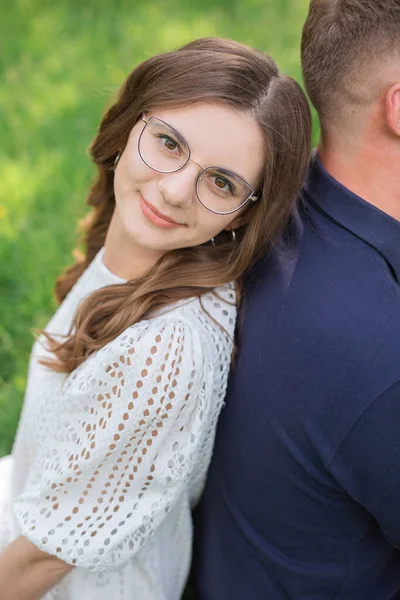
{"x":392,"y":108}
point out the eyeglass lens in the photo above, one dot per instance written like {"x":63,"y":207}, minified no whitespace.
{"x":163,"y":149}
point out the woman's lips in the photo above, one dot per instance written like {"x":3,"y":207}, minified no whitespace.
{"x":155,"y":217}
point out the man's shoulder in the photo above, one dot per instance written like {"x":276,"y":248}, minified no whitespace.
{"x":324,"y":297}
{"x":318,"y":336}
{"x":319,"y":267}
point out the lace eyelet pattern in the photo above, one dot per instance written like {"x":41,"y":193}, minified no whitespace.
{"x":109,"y":460}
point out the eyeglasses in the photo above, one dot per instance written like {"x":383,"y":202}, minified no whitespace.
{"x":219,"y":190}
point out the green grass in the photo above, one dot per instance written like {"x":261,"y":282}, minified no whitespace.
{"x":60,"y":63}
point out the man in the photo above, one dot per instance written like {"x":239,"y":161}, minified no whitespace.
{"x":303,"y":494}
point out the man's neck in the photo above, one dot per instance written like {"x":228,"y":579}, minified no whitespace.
{"x":367,"y":171}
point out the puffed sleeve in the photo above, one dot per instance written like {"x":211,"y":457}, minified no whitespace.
{"x":123,"y":443}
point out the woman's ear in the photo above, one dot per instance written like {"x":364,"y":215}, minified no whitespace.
{"x":392,"y":108}
{"x":242,"y":219}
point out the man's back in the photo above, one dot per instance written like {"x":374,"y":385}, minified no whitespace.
{"x":303,"y":494}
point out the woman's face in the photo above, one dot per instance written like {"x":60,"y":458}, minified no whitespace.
{"x":159,"y":212}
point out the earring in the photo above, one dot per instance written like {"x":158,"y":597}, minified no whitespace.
{"x":116,"y":160}
{"x":233,"y":238}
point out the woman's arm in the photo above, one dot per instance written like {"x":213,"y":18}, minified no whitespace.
{"x":27,"y":573}
{"x":122,"y":446}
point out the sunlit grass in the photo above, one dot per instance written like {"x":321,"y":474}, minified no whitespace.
{"x":60,"y":63}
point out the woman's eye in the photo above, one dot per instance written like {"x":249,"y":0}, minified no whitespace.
{"x":223,"y":184}
{"x":220,"y":182}
{"x":169,"y":143}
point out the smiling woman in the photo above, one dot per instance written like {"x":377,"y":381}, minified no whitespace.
{"x":199,"y":161}
{"x":165,"y":200}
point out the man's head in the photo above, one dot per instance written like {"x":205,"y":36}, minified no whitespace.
{"x":351,"y":62}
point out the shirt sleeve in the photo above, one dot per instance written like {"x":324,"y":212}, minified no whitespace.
{"x":122,"y":447}
{"x":367,"y":464}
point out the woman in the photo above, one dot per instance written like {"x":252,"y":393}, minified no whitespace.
{"x":198,"y":161}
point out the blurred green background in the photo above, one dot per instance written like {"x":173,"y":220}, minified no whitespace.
{"x":60,"y":63}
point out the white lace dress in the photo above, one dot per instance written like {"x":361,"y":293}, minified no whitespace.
{"x":108,"y":461}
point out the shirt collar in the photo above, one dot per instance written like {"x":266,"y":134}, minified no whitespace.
{"x":375,"y":227}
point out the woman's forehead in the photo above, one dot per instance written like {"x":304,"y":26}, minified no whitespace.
{"x":218,"y":135}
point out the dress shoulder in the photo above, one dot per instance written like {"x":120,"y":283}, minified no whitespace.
{"x":123,"y":442}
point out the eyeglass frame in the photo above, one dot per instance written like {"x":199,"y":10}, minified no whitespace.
{"x":252,"y":197}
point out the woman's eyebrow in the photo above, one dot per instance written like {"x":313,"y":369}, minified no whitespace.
{"x":180,"y":137}
{"x":227,"y":171}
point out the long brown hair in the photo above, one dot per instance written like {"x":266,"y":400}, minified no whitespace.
{"x":209,"y":70}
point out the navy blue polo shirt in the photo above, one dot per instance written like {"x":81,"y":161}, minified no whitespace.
{"x":302,"y":500}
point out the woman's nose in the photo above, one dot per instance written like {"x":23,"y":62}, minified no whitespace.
{"x":179,"y":188}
